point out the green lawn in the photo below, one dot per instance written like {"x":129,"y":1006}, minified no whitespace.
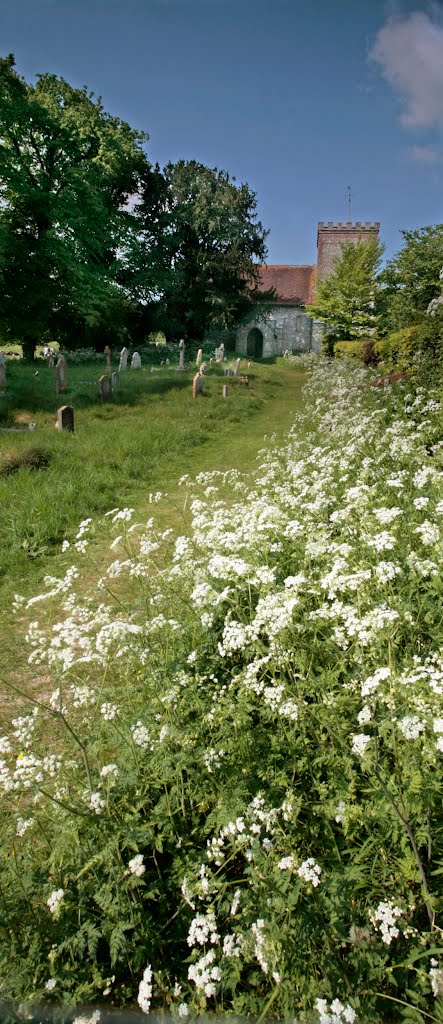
{"x":144,"y":441}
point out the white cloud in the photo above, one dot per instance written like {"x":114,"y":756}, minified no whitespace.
{"x":426,"y":154}
{"x":409,"y":51}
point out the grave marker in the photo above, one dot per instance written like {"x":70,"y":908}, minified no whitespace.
{"x":181,"y":349}
{"x":197,"y":385}
{"x":237,"y":367}
{"x":60,"y":375}
{"x":108,"y":357}
{"x":199,"y":357}
{"x":136,"y":363}
{"x":115,"y":380}
{"x":123,"y":360}
{"x":225,"y":390}
{"x":105,"y":388}
{"x":65,"y":418}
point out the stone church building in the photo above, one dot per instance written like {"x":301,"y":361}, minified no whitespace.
{"x":286,"y":325}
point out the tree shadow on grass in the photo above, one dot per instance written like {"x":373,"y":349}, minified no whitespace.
{"x":37,"y":394}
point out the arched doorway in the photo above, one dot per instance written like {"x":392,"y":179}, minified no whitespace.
{"x":254,"y":343}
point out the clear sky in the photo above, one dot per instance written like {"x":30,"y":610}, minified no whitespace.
{"x":300,"y":98}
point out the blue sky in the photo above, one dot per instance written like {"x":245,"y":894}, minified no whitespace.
{"x":300,"y":98}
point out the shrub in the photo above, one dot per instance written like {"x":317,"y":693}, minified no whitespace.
{"x":399,"y":350}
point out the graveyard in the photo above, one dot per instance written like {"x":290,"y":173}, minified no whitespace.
{"x":141,"y":442}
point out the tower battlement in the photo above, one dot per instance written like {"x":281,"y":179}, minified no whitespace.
{"x":349,"y":226}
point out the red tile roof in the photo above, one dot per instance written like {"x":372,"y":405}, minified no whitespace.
{"x":292,"y":284}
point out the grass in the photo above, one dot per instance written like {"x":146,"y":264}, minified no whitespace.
{"x":144,"y":441}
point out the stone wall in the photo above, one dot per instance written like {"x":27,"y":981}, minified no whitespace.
{"x":283,"y":328}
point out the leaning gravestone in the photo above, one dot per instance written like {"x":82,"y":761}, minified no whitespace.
{"x":237,"y":368}
{"x":136,"y":363}
{"x":199,"y":357}
{"x":197,"y":385}
{"x":115,"y":380}
{"x":60,"y":375}
{"x":65,"y":418}
{"x":105,"y":388}
{"x":123,"y":359}
{"x":181,"y":349}
{"x":2,"y":371}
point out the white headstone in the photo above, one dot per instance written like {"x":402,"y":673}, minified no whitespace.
{"x":237,"y":367}
{"x":197,"y":385}
{"x":136,"y":362}
{"x":199,"y":357}
{"x":225,"y":390}
{"x":123,"y":359}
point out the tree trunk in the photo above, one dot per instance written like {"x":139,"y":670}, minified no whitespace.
{"x":29,"y":345}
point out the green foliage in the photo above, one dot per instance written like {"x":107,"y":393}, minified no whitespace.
{"x":203,"y":262}
{"x":398,"y":350}
{"x":67,"y":171}
{"x":346,"y":300}
{"x":410,"y":281}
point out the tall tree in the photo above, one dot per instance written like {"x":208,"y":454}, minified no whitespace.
{"x":346,"y":300}
{"x":410,"y":280}
{"x":67,"y":171}
{"x":203,"y":260}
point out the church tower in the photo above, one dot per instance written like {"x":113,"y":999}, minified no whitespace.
{"x":331,"y":237}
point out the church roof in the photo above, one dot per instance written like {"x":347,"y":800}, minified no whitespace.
{"x":293,"y":284}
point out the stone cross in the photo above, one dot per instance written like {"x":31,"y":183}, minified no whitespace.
{"x":197,"y":385}
{"x":225,"y":390}
{"x":199,"y":357}
{"x":60,"y":375}
{"x":181,"y":349}
{"x":65,"y":418}
{"x":123,"y":359}
{"x":108,"y":357}
{"x":105,"y":388}
{"x":2,"y":371}
{"x":115,"y":380}
{"x":237,"y":367}
{"x":136,"y":362}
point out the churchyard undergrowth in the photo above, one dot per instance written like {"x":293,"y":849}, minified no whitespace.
{"x":240,"y":809}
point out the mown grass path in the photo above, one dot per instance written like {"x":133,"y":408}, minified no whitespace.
{"x":144,"y":442}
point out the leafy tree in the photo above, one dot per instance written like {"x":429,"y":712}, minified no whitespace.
{"x":411,"y":279}
{"x":67,"y":170}
{"x":346,"y":300}
{"x":202,"y":261}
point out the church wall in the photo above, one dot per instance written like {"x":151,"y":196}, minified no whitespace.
{"x":283,"y":328}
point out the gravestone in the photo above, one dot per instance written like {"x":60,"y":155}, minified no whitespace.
{"x":197,"y":385}
{"x":181,"y":349}
{"x":168,"y":362}
{"x":108,"y":357}
{"x":123,"y":360}
{"x":65,"y":418}
{"x":237,"y":368}
{"x":115,"y":380}
{"x":105,"y":388}
{"x":203,"y":368}
{"x":136,"y":363}
{"x":2,"y":371}
{"x":60,"y":375}
{"x":199,"y":357}
{"x":225,"y":390}
{"x":228,"y":371}
{"x":222,"y":352}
